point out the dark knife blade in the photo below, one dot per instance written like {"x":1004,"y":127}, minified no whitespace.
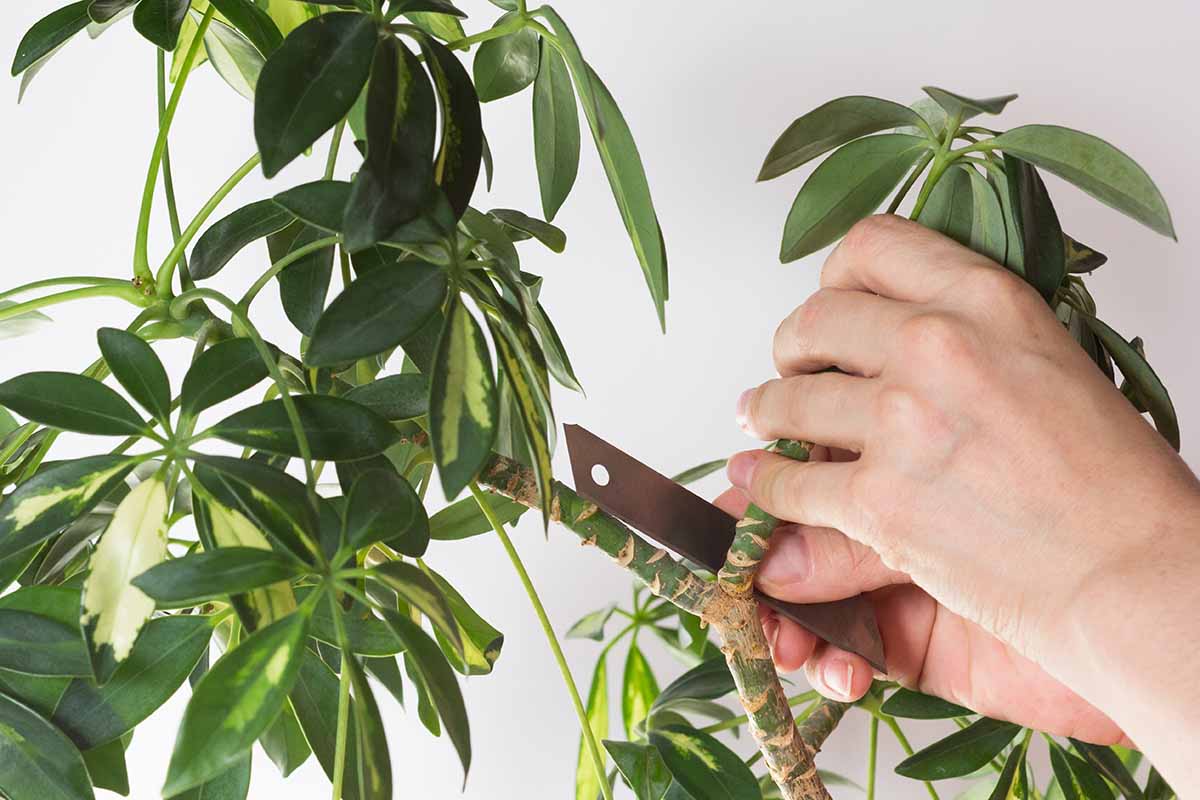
{"x":696,"y":529}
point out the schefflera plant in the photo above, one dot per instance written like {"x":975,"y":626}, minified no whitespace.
{"x":982,"y":187}
{"x":300,"y":561}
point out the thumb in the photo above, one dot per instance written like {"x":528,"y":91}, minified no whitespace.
{"x":817,"y":565}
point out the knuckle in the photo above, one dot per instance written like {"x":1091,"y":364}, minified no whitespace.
{"x":871,"y":234}
{"x":1001,"y":290}
{"x":936,"y":338}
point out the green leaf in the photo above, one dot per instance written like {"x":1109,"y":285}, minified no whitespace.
{"x":706,"y":681}
{"x":989,"y":232}
{"x":22,"y":324}
{"x":1156,"y":787}
{"x":964,"y":108}
{"x":48,"y":33}
{"x":102,"y":11}
{"x":423,"y":656}
{"x":642,"y":767}
{"x":420,"y":592}
{"x":832,"y":125}
{"x":337,"y":429}
{"x":1109,"y":764}
{"x":1093,"y":165}
{"x":383,"y":507}
{"x":950,"y":208}
{"x":315,"y":700}
{"x":395,"y":397}
{"x":232,"y":784}
{"x":71,"y":402}
{"x":40,"y":763}
{"x":1043,"y":259}
{"x":373,"y":762}
{"x":228,"y":235}
{"x":707,"y":769}
{"x":907,"y":704}
{"x":846,"y":187}
{"x":443,"y":26}
{"x":133,"y":363}
{"x":1076,"y":777}
{"x":254,"y":23}
{"x":700,"y":471}
{"x":591,"y":626}
{"x":506,"y":65}
{"x":464,"y":519}
{"x":106,"y":767}
{"x":638,"y":690}
{"x":321,"y":204}
{"x":960,"y":753}
{"x":160,"y":21}
{"x":197,"y":577}
{"x":222,"y":371}
{"x":35,"y":644}
{"x":460,"y":153}
{"x":55,"y":497}
{"x":544,"y":232}
{"x":462,"y":401}
{"x":587,"y":782}
{"x":481,"y":643}
{"x":1081,"y":258}
{"x":162,"y":658}
{"x":401,"y":122}
{"x":309,"y":83}
{"x":377,"y":312}
{"x":235,"y":701}
{"x":557,"y":361}
{"x":304,"y":283}
{"x":235,"y":59}
{"x":284,"y":743}
{"x":114,"y":611}
{"x":1011,"y":784}
{"x":1141,"y":375}
{"x":555,"y":131}
{"x":368,"y":635}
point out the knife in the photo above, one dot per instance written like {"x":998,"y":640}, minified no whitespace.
{"x":677,"y":518}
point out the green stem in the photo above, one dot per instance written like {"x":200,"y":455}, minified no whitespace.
{"x":872,"y":756}
{"x":167,"y":269}
{"x":141,"y":261}
{"x":70,"y":280}
{"x":906,"y":747}
{"x":941,"y":161}
{"x":278,"y":266}
{"x":343,"y":714}
{"x":512,"y":25}
{"x":589,"y":737}
{"x":168,"y":180}
{"x":737,"y":722}
{"x":334,"y":145}
{"x":908,"y":184}
{"x":122,"y":290}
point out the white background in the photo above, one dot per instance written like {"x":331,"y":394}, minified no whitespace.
{"x":706,"y":87}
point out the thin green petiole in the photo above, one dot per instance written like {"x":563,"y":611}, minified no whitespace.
{"x":593,"y":747}
{"x":872,"y":756}
{"x":122,"y":290}
{"x":908,"y":184}
{"x":70,"y":280}
{"x":278,"y":266}
{"x":906,"y":747}
{"x":335,"y":145}
{"x":343,"y":715}
{"x":168,"y":179}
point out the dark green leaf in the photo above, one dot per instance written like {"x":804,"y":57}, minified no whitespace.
{"x":165,"y":653}
{"x":587,"y":782}
{"x":401,"y":122}
{"x":420,"y":592}
{"x":464,"y":519}
{"x":1109,"y":764}
{"x":373,"y":763}
{"x":55,"y":497}
{"x":1093,"y":165}
{"x":642,"y":767}
{"x":382,"y":507}
{"x":706,"y":681}
{"x":832,"y":125}
{"x":337,"y":429}
{"x":309,"y":83}
{"x":368,"y":635}
{"x":964,"y":108}
{"x":48,"y":33}
{"x":557,"y":360}
{"x":106,"y":767}
{"x":39,"y":645}
{"x":555,"y":131}
{"x":846,"y":187}
{"x":1156,"y":787}
{"x":133,"y":363}
{"x":395,"y":397}
{"x":39,"y":761}
{"x":284,"y":743}
{"x":253,"y":22}
{"x":222,"y":371}
{"x":396,"y":7}
{"x":377,"y":312}
{"x":1076,"y":777}
{"x":591,"y":626}
{"x":506,"y":65}
{"x":989,"y":233}
{"x":462,"y":401}
{"x":228,"y":235}
{"x":481,"y":643}
{"x":700,"y":471}
{"x":315,"y":700}
{"x":960,"y":753}
{"x":235,"y":702}
{"x":638,"y":690}
{"x":102,"y":11}
{"x":907,"y":704}
{"x":1012,"y":776}
{"x":232,"y":784}
{"x":304,"y":283}
{"x":1141,"y":375}
{"x":321,"y":204}
{"x":544,"y":232}
{"x":444,"y":26}
{"x":71,"y":402}
{"x":161,"y":20}
{"x":423,"y":656}
{"x":196,"y":577}
{"x":1043,"y":254}
{"x":707,"y":769}
{"x":1081,"y":258}
{"x":950,"y":208}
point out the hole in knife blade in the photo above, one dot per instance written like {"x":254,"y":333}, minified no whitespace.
{"x":600,"y":475}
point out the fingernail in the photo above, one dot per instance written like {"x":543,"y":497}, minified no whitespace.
{"x":741,"y":469}
{"x":743,"y":410}
{"x":787,"y":563}
{"x":838,"y":676}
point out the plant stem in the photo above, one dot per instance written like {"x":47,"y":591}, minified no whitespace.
{"x":737,"y":722}
{"x":941,"y":161}
{"x":71,"y":280}
{"x":168,"y":180}
{"x":167,"y":269}
{"x":343,"y":714}
{"x":514,"y":24}
{"x":334,"y":145}
{"x":278,"y":266}
{"x":123,"y":291}
{"x":141,"y":261}
{"x":908,"y":184}
{"x":906,"y":747}
{"x":589,"y":737}
{"x":872,"y":756}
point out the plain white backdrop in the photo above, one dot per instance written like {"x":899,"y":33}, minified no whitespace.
{"x":706,"y":87}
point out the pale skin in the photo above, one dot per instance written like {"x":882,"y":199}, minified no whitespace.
{"x":1030,"y":544}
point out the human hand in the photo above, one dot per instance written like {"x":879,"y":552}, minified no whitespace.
{"x":999,"y":471}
